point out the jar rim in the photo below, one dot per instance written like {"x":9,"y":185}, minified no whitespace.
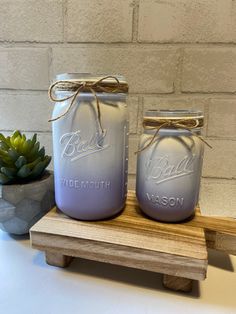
{"x":174,"y":113}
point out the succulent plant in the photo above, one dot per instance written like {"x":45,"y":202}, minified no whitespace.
{"x":21,"y":159}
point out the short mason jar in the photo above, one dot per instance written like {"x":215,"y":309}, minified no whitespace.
{"x":90,"y":163}
{"x":169,"y":164}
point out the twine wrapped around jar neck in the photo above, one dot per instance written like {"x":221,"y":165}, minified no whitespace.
{"x":186,"y":123}
{"x":76,"y":87}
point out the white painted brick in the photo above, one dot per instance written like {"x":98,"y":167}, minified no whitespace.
{"x":133,"y":104}
{"x":185,"y":21}
{"x":147,"y":69}
{"x":222,"y":118}
{"x":24,"y":68}
{"x":220,"y":161}
{"x":218,"y":197}
{"x":99,"y":20}
{"x":177,"y":103}
{"x":132,"y":182}
{"x":25,"y":112}
{"x":34,"y":20}
{"x":233,"y":15}
{"x":209,"y":70}
{"x":133,"y":147}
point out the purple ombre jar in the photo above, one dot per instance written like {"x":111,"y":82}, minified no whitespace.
{"x":90,"y":162}
{"x":169,"y":164}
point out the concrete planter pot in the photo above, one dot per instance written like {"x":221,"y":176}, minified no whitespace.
{"x":22,"y":205}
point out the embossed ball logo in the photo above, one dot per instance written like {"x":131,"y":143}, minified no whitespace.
{"x":161,"y":169}
{"x":76,"y":147}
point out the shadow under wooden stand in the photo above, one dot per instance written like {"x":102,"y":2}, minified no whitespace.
{"x":178,"y":251}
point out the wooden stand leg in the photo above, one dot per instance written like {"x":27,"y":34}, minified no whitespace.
{"x":177,"y":283}
{"x":57,"y":259}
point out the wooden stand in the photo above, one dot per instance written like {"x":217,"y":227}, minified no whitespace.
{"x":178,"y":251}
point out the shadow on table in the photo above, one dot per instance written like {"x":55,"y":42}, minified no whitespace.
{"x":13,"y":237}
{"x":134,"y":277}
{"x":130,"y":276}
{"x":220,"y":260}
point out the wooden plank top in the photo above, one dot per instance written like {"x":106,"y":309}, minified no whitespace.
{"x":130,"y":229}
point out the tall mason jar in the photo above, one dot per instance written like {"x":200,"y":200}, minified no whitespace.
{"x":169,"y":164}
{"x":90,"y":145}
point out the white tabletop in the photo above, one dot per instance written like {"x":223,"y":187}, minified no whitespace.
{"x":29,"y":286}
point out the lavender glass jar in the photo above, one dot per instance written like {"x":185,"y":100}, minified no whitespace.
{"x":169,"y":164}
{"x":90,"y":144}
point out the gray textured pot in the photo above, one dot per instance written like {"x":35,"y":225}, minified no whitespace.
{"x":22,"y":205}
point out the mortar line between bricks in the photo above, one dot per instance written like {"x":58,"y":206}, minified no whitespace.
{"x":50,"y":63}
{"x":160,"y":95}
{"x":227,"y":180}
{"x":140,"y":114}
{"x":187,"y":95}
{"x":178,"y":74}
{"x":135,"y":21}
{"x":25,"y":92}
{"x":206,"y":114}
{"x":62,"y":44}
{"x":22,"y":92}
{"x":29,"y":131}
{"x":214,"y":138}
{"x":132,"y":135}
{"x":65,"y":21}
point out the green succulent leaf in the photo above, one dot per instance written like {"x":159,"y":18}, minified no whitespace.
{"x":2,"y":137}
{"x":4,"y":145}
{"x":34,"y":153}
{"x":34,"y":163}
{"x":3,"y":153}
{"x":34,"y":138}
{"x":16,"y":142}
{"x":21,"y":161}
{"x":4,"y":142}
{"x":9,"y":172}
{"x":40,"y":167}
{"x":41,"y":152}
{"x":16,"y":134}
{"x":26,"y":147}
{"x":2,"y":163}
{"x":12,"y":153}
{"x":24,"y":172}
{"x":4,"y":179}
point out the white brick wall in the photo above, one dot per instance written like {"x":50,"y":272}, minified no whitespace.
{"x":24,"y":68}
{"x":209,"y":70}
{"x":175,"y":54}
{"x":222,"y":118}
{"x":148,"y":70}
{"x":113,"y":19}
{"x":28,"y":112}
{"x":217,"y":197}
{"x":220,"y":162}
{"x":185,"y":21}
{"x":32,"y":20}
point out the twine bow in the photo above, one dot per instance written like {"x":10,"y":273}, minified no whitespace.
{"x":185,"y":124}
{"x":77,"y":87}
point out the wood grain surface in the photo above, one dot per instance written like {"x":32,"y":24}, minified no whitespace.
{"x":130,"y":239}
